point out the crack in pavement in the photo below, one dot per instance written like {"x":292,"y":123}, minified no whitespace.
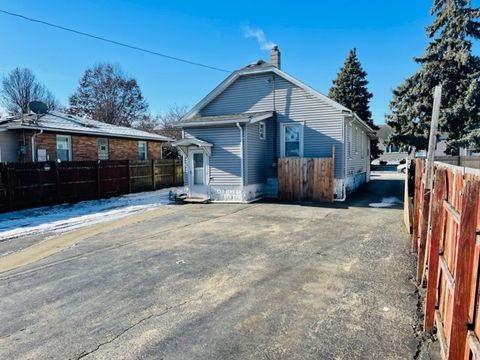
{"x":142,"y":320}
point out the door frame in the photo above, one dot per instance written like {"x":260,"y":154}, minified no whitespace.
{"x":198,"y":190}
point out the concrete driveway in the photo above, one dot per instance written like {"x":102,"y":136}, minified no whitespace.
{"x":257,"y":281}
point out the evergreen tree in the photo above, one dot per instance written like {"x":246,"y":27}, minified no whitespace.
{"x":448,"y":60}
{"x":350,"y":90}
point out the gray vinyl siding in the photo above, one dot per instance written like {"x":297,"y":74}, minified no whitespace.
{"x":8,"y":146}
{"x":322,"y":122}
{"x":357,"y":150}
{"x":257,"y":156}
{"x":225,"y":161}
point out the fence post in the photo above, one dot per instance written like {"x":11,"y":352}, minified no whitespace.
{"x":97,"y":167}
{"x":463,"y":271}
{"x":154,"y":185}
{"x":129,"y":180}
{"x":9,"y":186}
{"x":57,"y":179}
{"x":174,"y":172}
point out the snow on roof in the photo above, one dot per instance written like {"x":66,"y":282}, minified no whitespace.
{"x":61,"y":122}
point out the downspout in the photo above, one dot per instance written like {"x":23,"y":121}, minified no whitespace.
{"x":344,"y":197}
{"x":241,"y":157}
{"x":33,"y":143}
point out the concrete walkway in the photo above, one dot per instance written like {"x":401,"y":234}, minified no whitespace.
{"x":257,"y":281}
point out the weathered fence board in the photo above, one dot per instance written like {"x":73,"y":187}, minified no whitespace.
{"x":452,"y":247}
{"x":306,"y":179}
{"x":43,"y":183}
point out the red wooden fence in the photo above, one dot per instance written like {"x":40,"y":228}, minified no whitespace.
{"x":446,"y":238}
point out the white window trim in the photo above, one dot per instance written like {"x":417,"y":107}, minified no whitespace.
{"x":70,"y":155}
{"x":282,"y":137}
{"x":261,"y":124}
{"x":146,"y":149}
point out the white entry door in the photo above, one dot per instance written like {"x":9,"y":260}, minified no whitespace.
{"x":198,"y":173}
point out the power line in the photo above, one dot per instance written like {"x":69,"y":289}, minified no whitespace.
{"x":112,"y":41}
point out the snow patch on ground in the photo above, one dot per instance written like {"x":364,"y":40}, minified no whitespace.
{"x":66,"y":217}
{"x":386,"y":202}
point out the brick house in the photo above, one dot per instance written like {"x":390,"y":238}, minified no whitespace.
{"x":59,"y":136}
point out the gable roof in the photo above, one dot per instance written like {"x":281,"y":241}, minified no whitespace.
{"x":261,"y":67}
{"x":65,"y":123}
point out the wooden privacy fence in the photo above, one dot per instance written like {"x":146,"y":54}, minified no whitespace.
{"x":25,"y":185}
{"x":446,"y":224}
{"x":306,"y":179}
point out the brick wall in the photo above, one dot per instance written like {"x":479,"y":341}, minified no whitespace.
{"x":85,"y":147}
{"x":154,"y":150}
{"x":121,"y":149}
{"x":45,"y":141}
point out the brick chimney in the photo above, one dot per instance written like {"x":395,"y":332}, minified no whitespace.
{"x":275,"y":56}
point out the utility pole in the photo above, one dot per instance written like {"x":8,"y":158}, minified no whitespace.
{"x":432,"y":142}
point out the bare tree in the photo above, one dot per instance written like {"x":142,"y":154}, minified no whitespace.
{"x":167,"y":120}
{"x":19,"y":87}
{"x":106,"y":94}
{"x":147,"y":123}
{"x":165,"y":127}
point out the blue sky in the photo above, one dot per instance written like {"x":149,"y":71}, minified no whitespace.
{"x":314,"y":38}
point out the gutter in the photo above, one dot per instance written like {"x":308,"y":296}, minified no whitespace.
{"x":344,"y":197}
{"x":241,"y":156}
{"x":33,"y":143}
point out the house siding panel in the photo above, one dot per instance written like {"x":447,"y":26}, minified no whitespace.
{"x":225,"y":164}
{"x":322,"y":123}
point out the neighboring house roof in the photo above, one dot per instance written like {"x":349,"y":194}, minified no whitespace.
{"x":259,"y":68}
{"x":225,"y":119}
{"x":64,"y":123}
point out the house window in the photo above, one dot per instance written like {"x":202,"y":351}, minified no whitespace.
{"x":262,"y":130}
{"x":142,"y":150}
{"x":64,"y":148}
{"x":292,"y":143}
{"x":102,"y":145}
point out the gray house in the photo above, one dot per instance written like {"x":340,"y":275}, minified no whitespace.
{"x":234,"y":136}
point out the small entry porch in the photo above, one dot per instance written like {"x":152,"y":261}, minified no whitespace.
{"x":197,"y":154}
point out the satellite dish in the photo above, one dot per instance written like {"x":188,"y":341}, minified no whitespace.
{"x":38,"y":107}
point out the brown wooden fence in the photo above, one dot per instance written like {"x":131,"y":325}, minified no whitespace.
{"x":25,"y":185}
{"x":306,"y":179}
{"x":446,"y":224}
